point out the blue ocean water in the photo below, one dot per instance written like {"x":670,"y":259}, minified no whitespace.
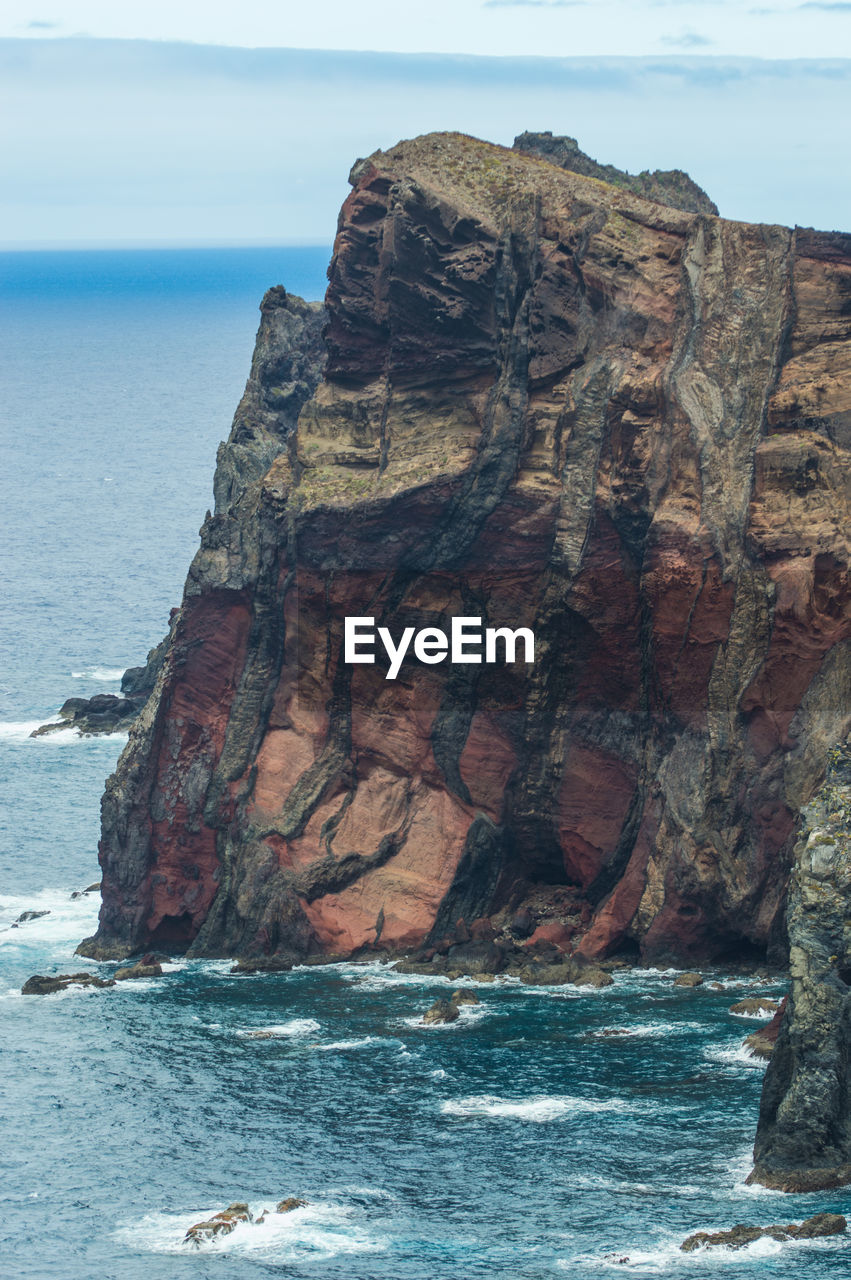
{"x":517,"y":1142}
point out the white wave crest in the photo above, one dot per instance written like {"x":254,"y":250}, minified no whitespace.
{"x":22,"y":731}
{"x":338,"y":1046}
{"x":646,"y":1030}
{"x":54,"y":935}
{"x":108,"y":675}
{"x":733,"y":1055}
{"x":282,"y":1030}
{"x":762,"y":1014}
{"x":538,"y":1109}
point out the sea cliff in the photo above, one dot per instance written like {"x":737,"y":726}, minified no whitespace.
{"x":537,"y":398}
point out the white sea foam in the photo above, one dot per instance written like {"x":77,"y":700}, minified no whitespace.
{"x":107,"y":675}
{"x":52,"y":936}
{"x":22,"y":730}
{"x":314,"y":1232}
{"x":293,"y":1029}
{"x":538,"y":1109}
{"x":646,"y":1030}
{"x":341,"y":1045}
{"x":762,"y":1015}
{"x":733,"y":1055}
{"x":18,"y":730}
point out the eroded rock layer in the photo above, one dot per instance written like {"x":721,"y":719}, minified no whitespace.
{"x":546,"y":402}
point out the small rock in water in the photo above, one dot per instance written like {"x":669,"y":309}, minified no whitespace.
{"x":755,"y":1007}
{"x":759,"y":1044}
{"x":138,"y":970}
{"x":821,"y":1224}
{"x":221,"y":1224}
{"x":688,"y":980}
{"x":287,"y":1206}
{"x":441,"y":1011}
{"x":26,"y":916}
{"x":593,"y":978}
{"x":41,"y":984}
{"x":464,"y":996}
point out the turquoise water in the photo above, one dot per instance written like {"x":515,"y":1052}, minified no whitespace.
{"x":517,"y":1142}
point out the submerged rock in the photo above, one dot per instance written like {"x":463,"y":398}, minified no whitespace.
{"x":26,"y":916}
{"x":287,"y":1206}
{"x":821,"y":1224}
{"x":441,"y":1011}
{"x":46,"y":984}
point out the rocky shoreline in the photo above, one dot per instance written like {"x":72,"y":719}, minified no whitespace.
{"x":107,"y":713}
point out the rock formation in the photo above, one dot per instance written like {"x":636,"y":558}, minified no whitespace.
{"x":105,"y":713}
{"x":803,"y":1141}
{"x":540,"y":400}
{"x":665,"y":186}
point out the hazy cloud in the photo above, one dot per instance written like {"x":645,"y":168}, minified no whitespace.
{"x":141,"y":141}
{"x":535,"y":4}
{"x":38,"y":25}
{"x":687,"y":40}
{"x":827,"y":6}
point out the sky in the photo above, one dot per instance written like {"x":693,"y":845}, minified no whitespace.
{"x":563,"y":28}
{"x":181,"y":123}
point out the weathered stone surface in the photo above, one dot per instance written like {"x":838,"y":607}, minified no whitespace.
{"x":803,"y":1140}
{"x":546,"y":402}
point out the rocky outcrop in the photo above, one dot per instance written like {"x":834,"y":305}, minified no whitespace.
{"x":803,"y":1141}
{"x":543,"y":401}
{"x":672,"y":187}
{"x":105,"y":712}
{"x":41,"y":984}
{"x":821,"y":1224}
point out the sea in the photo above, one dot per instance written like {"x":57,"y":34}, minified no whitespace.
{"x":521,"y":1141}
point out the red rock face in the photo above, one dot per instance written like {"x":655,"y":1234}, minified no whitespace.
{"x":546,"y":403}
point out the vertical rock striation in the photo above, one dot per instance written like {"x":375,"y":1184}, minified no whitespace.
{"x":803,"y":1141}
{"x":541,"y":400}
